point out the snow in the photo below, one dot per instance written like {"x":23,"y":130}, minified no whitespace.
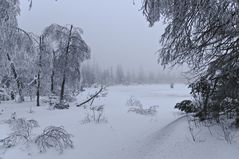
{"x":126,"y":135}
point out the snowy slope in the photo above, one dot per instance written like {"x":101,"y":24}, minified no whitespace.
{"x":126,"y":135}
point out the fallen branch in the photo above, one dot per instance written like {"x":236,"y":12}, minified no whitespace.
{"x":91,"y":98}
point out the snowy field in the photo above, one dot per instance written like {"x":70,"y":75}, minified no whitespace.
{"x":125,"y":135}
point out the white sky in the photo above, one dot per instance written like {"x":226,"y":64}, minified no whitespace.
{"x":115,"y":30}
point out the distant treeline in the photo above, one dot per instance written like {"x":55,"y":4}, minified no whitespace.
{"x":93,"y":74}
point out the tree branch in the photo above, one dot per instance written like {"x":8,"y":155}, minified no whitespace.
{"x":91,"y":98}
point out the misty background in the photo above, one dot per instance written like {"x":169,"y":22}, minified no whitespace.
{"x":116,"y":31}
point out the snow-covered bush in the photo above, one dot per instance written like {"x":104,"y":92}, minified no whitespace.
{"x":21,"y":125}
{"x":93,"y":106}
{"x":152,"y":110}
{"x":22,"y":131}
{"x":134,"y":102}
{"x":137,"y":107}
{"x":95,"y":114}
{"x":12,"y":140}
{"x":54,"y":137}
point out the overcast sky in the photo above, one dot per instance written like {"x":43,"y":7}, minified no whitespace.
{"x":115,"y":30}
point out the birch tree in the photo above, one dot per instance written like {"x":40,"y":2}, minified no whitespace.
{"x":70,"y":51}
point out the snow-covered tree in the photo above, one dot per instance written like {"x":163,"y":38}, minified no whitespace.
{"x":8,"y":21}
{"x":198,"y":32}
{"x":16,"y":47}
{"x":16,"y":59}
{"x":20,"y":59}
{"x":70,"y":51}
{"x":203,"y":34}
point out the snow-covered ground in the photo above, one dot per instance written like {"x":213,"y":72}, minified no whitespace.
{"x":126,"y":135}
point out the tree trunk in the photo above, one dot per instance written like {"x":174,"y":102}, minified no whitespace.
{"x":52,"y":81}
{"x":66,"y":63}
{"x":14,"y":72}
{"x":237,"y":118}
{"x":62,"y":88}
{"x":78,"y":86}
{"x":38,"y":89}
{"x":39,"y":73}
{"x":52,"y":73}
